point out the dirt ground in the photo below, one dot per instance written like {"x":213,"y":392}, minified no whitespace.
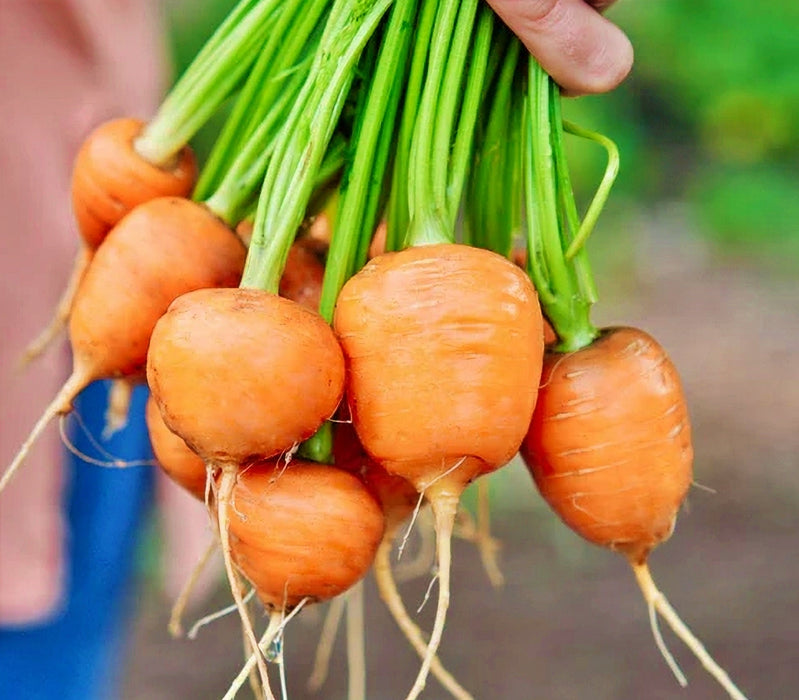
{"x":569,"y":624}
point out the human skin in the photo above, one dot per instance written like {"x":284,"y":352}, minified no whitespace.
{"x":583,"y":51}
{"x":67,"y":66}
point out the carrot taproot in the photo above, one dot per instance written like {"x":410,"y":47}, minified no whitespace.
{"x":163,"y":248}
{"x":398,"y":499}
{"x":453,"y":397}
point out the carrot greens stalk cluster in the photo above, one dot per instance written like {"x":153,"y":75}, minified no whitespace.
{"x":341,"y":313}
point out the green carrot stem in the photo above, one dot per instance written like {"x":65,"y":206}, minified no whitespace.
{"x":448,"y":99}
{"x":295,"y":34}
{"x":246,"y":173}
{"x":483,"y":208}
{"x":399,"y":206}
{"x":556,"y":279}
{"x":601,"y":196}
{"x":377,"y":117}
{"x":571,"y":225}
{"x":470,"y":109}
{"x":427,"y":208}
{"x":301,"y":145}
{"x":208,"y":82}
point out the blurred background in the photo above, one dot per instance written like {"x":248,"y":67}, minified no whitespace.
{"x":699,"y":244}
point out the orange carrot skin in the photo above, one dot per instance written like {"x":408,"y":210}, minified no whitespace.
{"x":609,"y":445}
{"x":444,"y":345}
{"x":306,"y":530}
{"x":302,"y":276}
{"x":174,"y":456}
{"x":109,"y":178}
{"x":162,"y":249}
{"x":242,"y":374}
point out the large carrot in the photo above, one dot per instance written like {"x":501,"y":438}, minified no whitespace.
{"x":163,"y":248}
{"x":451,"y":398}
{"x":609,"y":445}
{"x":448,"y":401}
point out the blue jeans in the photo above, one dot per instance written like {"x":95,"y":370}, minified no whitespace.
{"x":77,"y":654}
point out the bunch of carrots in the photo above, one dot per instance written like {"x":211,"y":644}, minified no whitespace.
{"x":373,"y":292}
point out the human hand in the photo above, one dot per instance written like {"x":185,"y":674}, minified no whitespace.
{"x":582,"y":51}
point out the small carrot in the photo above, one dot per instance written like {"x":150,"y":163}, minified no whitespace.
{"x":304,"y":530}
{"x":610,"y":450}
{"x":110,"y":178}
{"x":163,"y":248}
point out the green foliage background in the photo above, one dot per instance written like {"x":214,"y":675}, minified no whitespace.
{"x":707,"y":118}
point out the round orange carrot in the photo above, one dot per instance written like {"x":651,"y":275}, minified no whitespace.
{"x":162,"y":249}
{"x":270,"y":367}
{"x":184,"y":466}
{"x":304,"y":530}
{"x":110,"y":178}
{"x":610,"y":450}
{"x":609,"y":445}
{"x":444,"y":345}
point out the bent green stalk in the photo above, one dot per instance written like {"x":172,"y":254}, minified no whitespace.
{"x":565,"y":287}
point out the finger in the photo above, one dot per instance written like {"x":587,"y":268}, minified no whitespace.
{"x":584,"y":52}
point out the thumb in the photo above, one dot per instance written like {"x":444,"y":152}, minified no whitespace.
{"x":582,"y":51}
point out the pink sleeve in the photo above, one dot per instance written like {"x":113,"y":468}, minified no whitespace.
{"x":66,"y":66}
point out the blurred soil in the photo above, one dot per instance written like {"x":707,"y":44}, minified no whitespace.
{"x":569,"y":623}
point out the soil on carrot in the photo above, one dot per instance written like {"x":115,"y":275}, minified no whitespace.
{"x":569,"y":623}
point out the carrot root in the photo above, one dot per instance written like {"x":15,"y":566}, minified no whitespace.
{"x":479,"y":534}
{"x":445,"y":508}
{"x":423,"y":562}
{"x":226,"y":486}
{"x":59,"y":320}
{"x":61,"y":404}
{"x":356,"y":647}
{"x":324,"y":648}
{"x":658,"y":602}
{"x":116,"y":415}
{"x":275,"y":628}
{"x":387,"y":589}
{"x":275,"y":621}
{"x":175,"y":619}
